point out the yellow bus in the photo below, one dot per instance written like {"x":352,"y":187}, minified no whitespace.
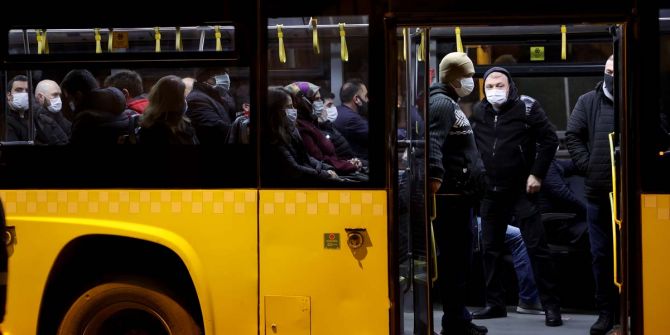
{"x":213,"y":239}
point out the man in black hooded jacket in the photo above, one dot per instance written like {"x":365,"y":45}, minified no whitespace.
{"x":587,"y":139}
{"x":517,"y":143}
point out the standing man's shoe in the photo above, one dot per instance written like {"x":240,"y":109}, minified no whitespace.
{"x":490,"y":312}
{"x":529,"y":308}
{"x":552,"y":317}
{"x":604,"y":323}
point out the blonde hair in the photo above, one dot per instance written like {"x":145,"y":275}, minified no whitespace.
{"x":166,"y":104}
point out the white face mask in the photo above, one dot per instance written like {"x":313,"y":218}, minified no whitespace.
{"x":55,"y":105}
{"x":20,"y":101}
{"x":291,"y":114}
{"x":467,"y":85}
{"x":331,"y":113}
{"x":496,"y":97}
{"x":223,"y":81}
{"x":71,"y":104}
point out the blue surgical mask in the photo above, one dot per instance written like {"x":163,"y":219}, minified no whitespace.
{"x":20,"y":101}
{"x":331,"y":113}
{"x":496,"y":97}
{"x":317,"y":108}
{"x":291,"y":114}
{"x":223,"y":81}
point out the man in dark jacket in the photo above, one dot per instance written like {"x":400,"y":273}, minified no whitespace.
{"x":517,"y":143}
{"x":52,"y":127}
{"x":18,"y":117}
{"x":207,"y":111}
{"x":452,"y":162}
{"x":587,"y":139}
{"x":350,"y":121}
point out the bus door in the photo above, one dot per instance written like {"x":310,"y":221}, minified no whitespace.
{"x":416,"y":248}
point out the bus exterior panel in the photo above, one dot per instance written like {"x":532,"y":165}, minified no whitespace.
{"x":213,"y":232}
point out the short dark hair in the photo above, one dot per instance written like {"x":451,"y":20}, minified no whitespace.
{"x":78,"y":81}
{"x":326,"y":94}
{"x":126,"y":79}
{"x":18,"y":77}
{"x":349,"y":89}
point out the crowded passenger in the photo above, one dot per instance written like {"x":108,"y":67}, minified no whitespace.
{"x":52,"y":127}
{"x":589,"y":125}
{"x":351,"y":121}
{"x":163,"y":121}
{"x":130,"y":83}
{"x":517,"y":143}
{"x":18,"y":124}
{"x":98,"y":112}
{"x":284,"y":148}
{"x":454,"y":164}
{"x":208,"y":111}
{"x":328,"y":116}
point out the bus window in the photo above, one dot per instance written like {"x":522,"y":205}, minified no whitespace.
{"x":664,"y":47}
{"x":322,"y":64}
{"x":123,"y":40}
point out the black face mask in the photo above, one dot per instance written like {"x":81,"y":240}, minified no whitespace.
{"x":609,"y":83}
{"x":363,"y":109}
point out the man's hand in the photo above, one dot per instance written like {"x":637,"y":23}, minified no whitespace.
{"x":533,"y":184}
{"x":435,"y":185}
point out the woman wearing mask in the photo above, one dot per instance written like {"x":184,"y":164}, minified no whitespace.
{"x":307,"y":99}
{"x":163,"y":121}
{"x":284,"y":147}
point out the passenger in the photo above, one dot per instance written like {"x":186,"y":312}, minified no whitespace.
{"x":328,"y":116}
{"x":18,"y":115}
{"x":222,"y":85}
{"x":188,"y":82}
{"x":163,"y":121}
{"x":284,"y":147}
{"x":130,"y":83}
{"x":452,"y":160}
{"x":206,"y":110}
{"x":517,"y":143}
{"x":98,"y":113}
{"x":591,"y":121}
{"x":52,"y":127}
{"x":350,"y":121}
{"x":307,"y":99}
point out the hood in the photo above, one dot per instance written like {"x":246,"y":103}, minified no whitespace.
{"x":513,"y":95}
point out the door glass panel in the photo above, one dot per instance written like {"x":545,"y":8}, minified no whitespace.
{"x":414,"y":253}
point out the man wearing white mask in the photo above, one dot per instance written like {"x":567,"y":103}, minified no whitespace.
{"x":454,"y":167}
{"x":52,"y":127}
{"x":18,"y":118}
{"x":517,"y":143}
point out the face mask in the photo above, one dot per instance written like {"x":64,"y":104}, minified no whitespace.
{"x":496,"y":97}
{"x":223,"y":81}
{"x":467,"y":85}
{"x":55,"y":105}
{"x":363,"y":108}
{"x":291,"y":114}
{"x":331,"y":114}
{"x":609,"y":84}
{"x":71,"y":104}
{"x":317,"y":108}
{"x":20,"y":101}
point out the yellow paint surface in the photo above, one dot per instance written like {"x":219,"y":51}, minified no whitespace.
{"x":655,"y":269}
{"x":348,"y":288}
{"x":214,"y":232}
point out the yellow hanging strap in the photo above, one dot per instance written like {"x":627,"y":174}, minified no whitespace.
{"x":344,"y":53}
{"x":459,"y":43}
{"x":46,"y":42}
{"x":177,"y":41}
{"x":404,"y":44}
{"x":157,"y":37}
{"x":564,"y":51}
{"x":420,"y":54}
{"x":315,"y":37}
{"x":110,"y":40}
{"x":40,"y":41}
{"x":98,"y":47}
{"x":217,"y":34}
{"x":280,"y":36}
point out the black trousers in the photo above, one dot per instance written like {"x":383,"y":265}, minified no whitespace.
{"x":497,"y":210}
{"x":453,"y":236}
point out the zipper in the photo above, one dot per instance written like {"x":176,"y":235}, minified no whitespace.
{"x":495,"y":134}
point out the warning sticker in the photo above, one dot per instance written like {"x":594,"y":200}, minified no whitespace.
{"x":331,"y":240}
{"x":536,"y":53}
